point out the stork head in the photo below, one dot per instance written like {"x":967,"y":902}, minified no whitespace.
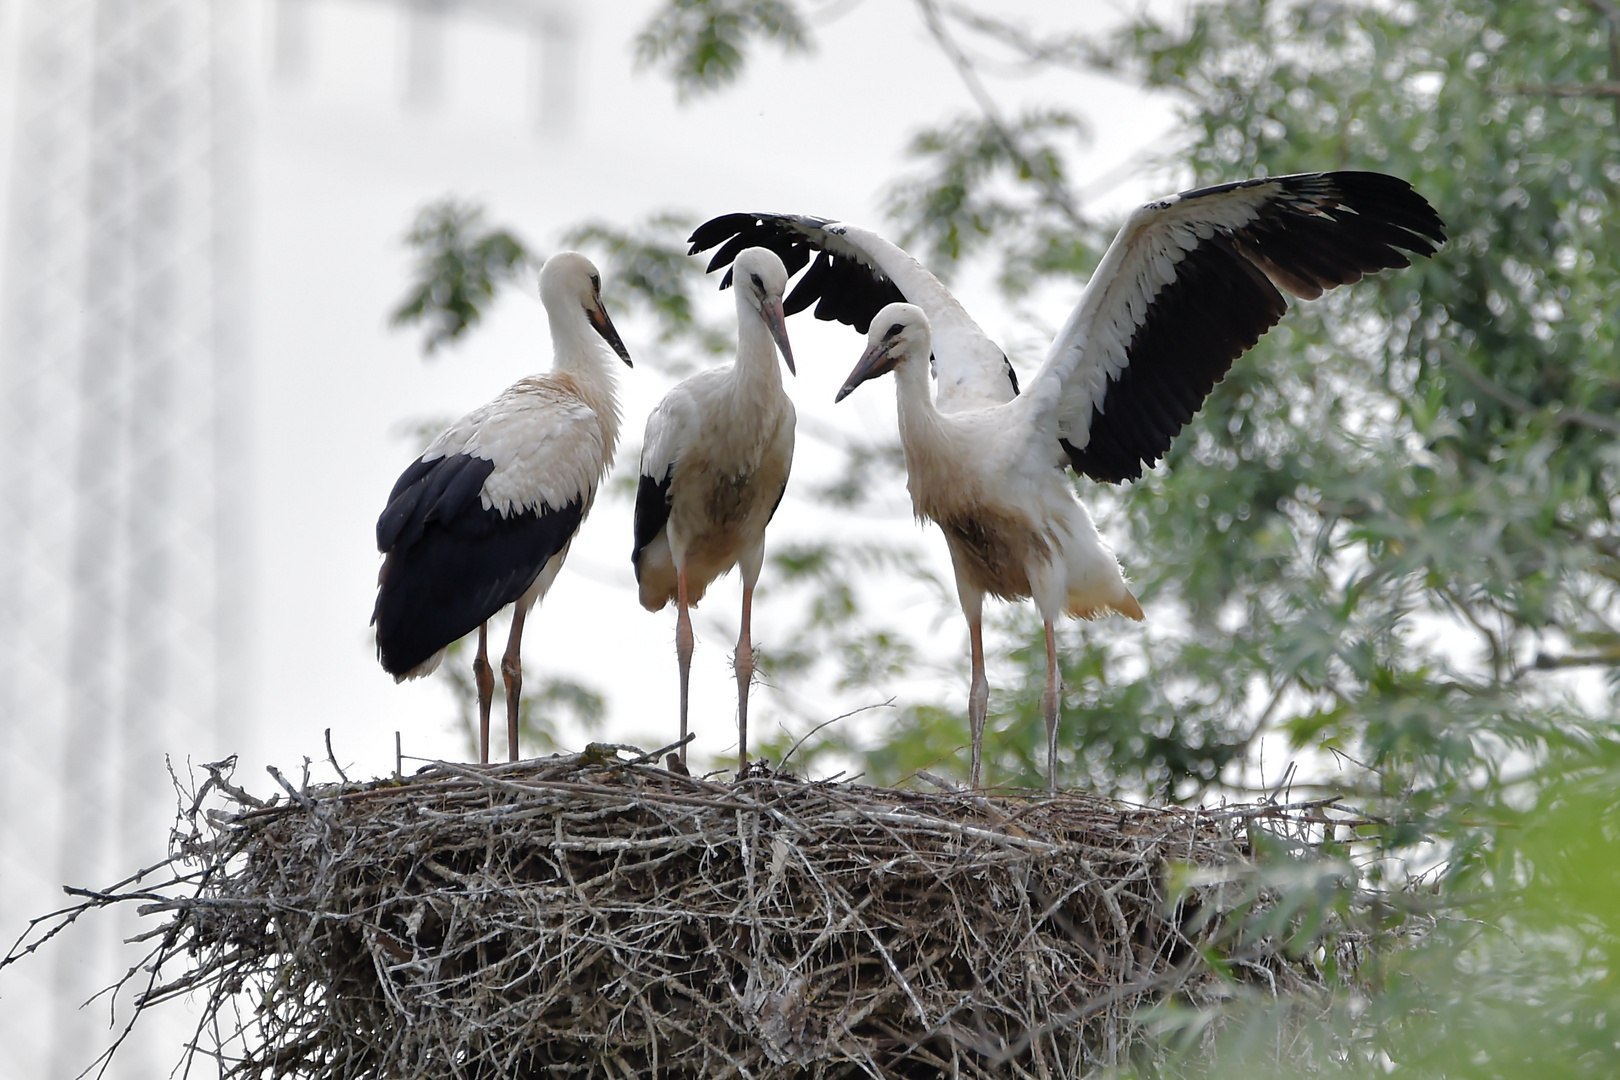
{"x":569,"y":278}
{"x":761,"y":281}
{"x":899,"y":333}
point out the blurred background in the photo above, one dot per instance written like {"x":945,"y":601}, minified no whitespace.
{"x":1381,"y":565}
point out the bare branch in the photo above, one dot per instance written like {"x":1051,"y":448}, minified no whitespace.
{"x":757,"y":929}
{"x":1051,"y":188}
{"x":1592,"y":90}
{"x":1604,"y":658}
{"x":1577,"y":417}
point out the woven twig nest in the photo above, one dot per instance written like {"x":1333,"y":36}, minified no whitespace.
{"x":584,"y":916}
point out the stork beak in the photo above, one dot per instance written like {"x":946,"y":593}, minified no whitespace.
{"x":604,"y":326}
{"x":878,"y":359}
{"x":776,"y":321}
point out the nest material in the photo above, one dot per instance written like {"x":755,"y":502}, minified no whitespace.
{"x":583,"y":916}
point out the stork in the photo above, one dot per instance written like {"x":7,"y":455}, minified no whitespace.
{"x":1189,"y":283}
{"x":485,"y":516}
{"x":714,"y":465}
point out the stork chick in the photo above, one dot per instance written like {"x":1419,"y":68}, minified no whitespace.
{"x":714,"y":466}
{"x":485,"y":516}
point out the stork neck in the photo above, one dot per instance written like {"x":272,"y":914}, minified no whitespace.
{"x":919,"y":417}
{"x":757,"y":363}
{"x":579,"y":351}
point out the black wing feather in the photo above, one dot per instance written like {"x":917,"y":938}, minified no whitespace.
{"x":652,"y":513}
{"x":843,"y":289}
{"x":449,"y":563}
{"x":429,"y":490}
{"x":1320,"y":231}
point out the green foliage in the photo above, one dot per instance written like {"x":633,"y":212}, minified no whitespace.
{"x":1405,"y":514}
{"x":459,"y":265}
{"x":701,"y":44}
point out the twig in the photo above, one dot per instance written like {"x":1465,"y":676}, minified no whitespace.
{"x":343,"y":776}
{"x":658,"y":755}
{"x":841,"y":716}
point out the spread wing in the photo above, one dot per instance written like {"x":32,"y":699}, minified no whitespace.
{"x":852,"y":275}
{"x":1190,"y":284}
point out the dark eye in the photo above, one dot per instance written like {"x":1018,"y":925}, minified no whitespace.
{"x":758,"y":284}
{"x":596,"y":282}
{"x":894,"y":331}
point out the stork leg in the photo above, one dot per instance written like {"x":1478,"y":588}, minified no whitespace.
{"x":978,"y":700}
{"x":683,"y":647}
{"x":744,"y":663}
{"x":1049,"y":708}
{"x":512,"y":672}
{"x":484,"y":679}
{"x":743,"y":660}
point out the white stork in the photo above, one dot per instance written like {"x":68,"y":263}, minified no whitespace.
{"x":485,"y":516}
{"x":1189,"y":283}
{"x":714,"y":466}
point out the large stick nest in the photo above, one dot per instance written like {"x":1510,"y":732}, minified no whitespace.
{"x":585,"y":916}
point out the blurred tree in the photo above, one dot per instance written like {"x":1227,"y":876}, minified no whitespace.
{"x":460,"y":264}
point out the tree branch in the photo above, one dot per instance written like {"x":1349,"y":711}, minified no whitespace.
{"x":1067,"y":52}
{"x":1053,"y":191}
{"x":1606,"y":658}
{"x":1594,"y":90}
{"x":1568,"y":417}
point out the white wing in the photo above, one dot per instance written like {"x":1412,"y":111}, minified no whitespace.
{"x":854,"y":273}
{"x":671,"y":428}
{"x":1190,"y":283}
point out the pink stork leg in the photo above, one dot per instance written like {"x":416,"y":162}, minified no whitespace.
{"x":978,"y":699}
{"x":512,"y":672}
{"x":744,"y":663}
{"x":683,"y":647}
{"x":1049,"y":708}
{"x":484,"y":679}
